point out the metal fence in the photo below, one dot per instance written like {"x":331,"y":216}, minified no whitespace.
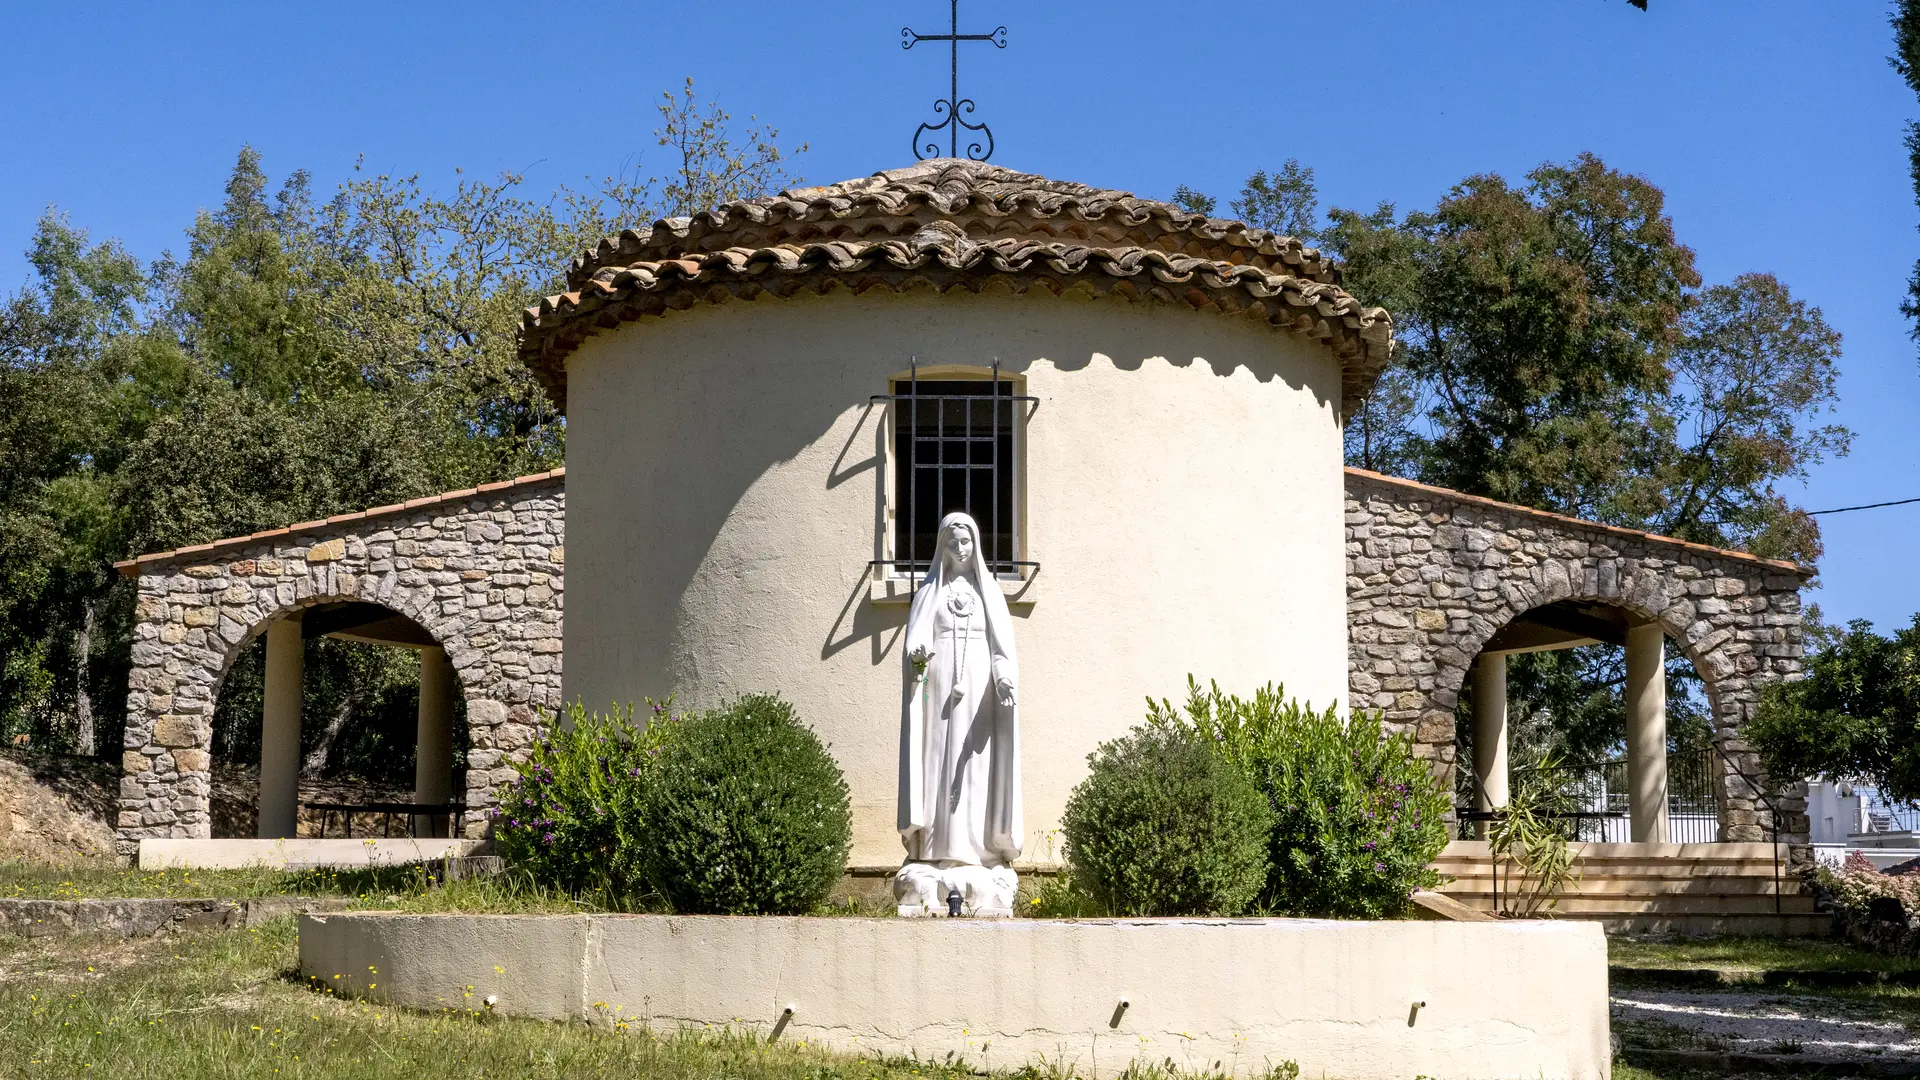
{"x":1593,"y":802}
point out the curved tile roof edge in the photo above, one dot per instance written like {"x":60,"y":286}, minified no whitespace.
{"x":132,"y":567}
{"x":948,"y":186}
{"x":1595,"y":526}
{"x":943,"y":258}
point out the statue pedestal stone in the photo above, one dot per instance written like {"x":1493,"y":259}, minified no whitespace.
{"x":921,"y":890}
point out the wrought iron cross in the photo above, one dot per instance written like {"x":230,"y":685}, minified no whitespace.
{"x":953,"y":104}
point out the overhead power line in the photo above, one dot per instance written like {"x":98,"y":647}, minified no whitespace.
{"x":1866,"y":506}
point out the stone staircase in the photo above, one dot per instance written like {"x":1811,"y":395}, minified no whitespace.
{"x":1694,"y":889}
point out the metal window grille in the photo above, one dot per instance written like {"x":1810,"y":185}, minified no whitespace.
{"x":954,"y":448}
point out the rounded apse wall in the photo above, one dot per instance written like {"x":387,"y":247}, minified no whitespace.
{"x":727,"y":485}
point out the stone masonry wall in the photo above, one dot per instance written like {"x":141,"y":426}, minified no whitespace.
{"x":1433,"y":574}
{"x":481,"y":570}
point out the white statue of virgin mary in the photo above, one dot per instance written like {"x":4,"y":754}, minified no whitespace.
{"x":959,"y":736}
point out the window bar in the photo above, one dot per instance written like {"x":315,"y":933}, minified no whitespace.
{"x":966,"y":496}
{"x":993,"y":491}
{"x":939,"y":480}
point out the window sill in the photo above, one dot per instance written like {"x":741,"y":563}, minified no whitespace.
{"x":895,"y":591}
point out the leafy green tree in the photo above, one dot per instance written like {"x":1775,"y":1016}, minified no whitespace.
{"x":1539,"y":320}
{"x":1755,"y":371}
{"x":1556,"y":348}
{"x":302,"y":358}
{"x":1193,"y":202}
{"x":1905,"y":19}
{"x":1285,"y":201}
{"x":55,"y":521}
{"x":1856,"y":714}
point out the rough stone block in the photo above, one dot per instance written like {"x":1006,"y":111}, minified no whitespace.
{"x":176,"y":731}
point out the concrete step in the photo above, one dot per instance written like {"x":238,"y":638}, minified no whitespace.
{"x":1647,"y":865}
{"x":1714,"y":852}
{"x":1635,"y":905}
{"x":1603,"y":884}
{"x":1656,"y":888}
{"x":1716,"y":925}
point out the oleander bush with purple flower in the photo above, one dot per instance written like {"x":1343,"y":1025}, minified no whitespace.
{"x":574,"y":820}
{"x":1358,"y":819}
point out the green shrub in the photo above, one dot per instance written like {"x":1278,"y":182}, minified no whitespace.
{"x":1358,"y":820}
{"x":1164,"y":826}
{"x":747,"y":814}
{"x":573,"y":820}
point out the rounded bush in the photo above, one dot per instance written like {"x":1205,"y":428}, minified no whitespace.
{"x":747,"y":814}
{"x":1163,"y":825}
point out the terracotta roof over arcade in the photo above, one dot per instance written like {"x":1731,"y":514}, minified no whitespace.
{"x":947,"y":224}
{"x":1582,"y":523}
{"x":132,"y":567}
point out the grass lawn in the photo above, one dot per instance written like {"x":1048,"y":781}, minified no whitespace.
{"x":229,"y":1005}
{"x":406,"y":887}
{"x":1752,"y":954}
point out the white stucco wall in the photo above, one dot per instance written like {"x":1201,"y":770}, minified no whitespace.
{"x":725,"y":482}
{"x":1360,"y":1000}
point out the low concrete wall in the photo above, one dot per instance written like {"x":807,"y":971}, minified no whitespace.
{"x":1345,"y":999}
{"x":296,"y":854}
{"x":149,"y":916}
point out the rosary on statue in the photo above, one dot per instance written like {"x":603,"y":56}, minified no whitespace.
{"x":953,"y":104}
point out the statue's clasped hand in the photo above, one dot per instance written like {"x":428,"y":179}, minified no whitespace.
{"x":920,"y":657}
{"x":1005,"y":688}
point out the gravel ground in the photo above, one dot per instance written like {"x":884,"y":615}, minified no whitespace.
{"x":1821,"y":1025}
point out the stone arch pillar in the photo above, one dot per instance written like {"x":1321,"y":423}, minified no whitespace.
{"x":1433,"y":574}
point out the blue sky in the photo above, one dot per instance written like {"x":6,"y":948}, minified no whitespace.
{"x":1774,"y":127}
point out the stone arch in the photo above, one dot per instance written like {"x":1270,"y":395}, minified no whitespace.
{"x":1434,"y":574}
{"x":480,"y":570}
{"x":258,"y":616}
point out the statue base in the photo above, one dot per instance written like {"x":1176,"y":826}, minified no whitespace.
{"x":986,"y":892}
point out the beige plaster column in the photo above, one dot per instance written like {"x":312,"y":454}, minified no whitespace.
{"x":1647,"y":733}
{"x":433,"y":746}
{"x":1489,"y":735}
{"x":279,"y":806}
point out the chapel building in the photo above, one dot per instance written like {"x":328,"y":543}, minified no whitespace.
{"x":772,"y":404}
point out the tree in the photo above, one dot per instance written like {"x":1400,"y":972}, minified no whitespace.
{"x":1905,"y":20}
{"x":712,"y":169}
{"x":1285,"y":202}
{"x":1555,"y":348}
{"x":1193,"y":202}
{"x":1539,"y":321}
{"x":301,"y":359}
{"x":1755,"y":369}
{"x":1856,"y":715}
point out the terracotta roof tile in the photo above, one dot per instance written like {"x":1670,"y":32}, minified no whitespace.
{"x":133,"y":567}
{"x":957,"y":224}
{"x":1563,"y":519}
